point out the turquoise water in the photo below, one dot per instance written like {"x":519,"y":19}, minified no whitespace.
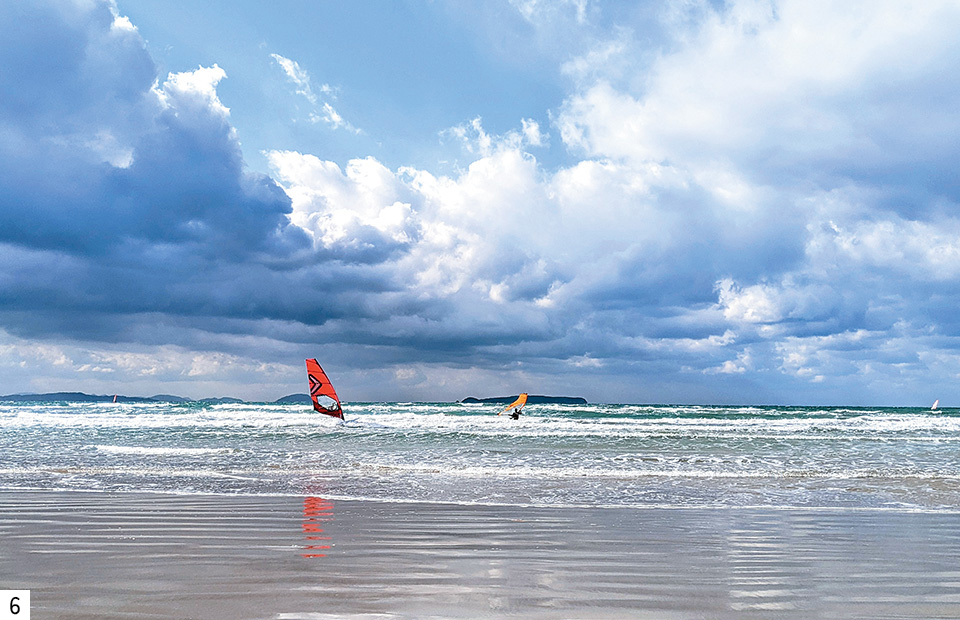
{"x":555,"y":455}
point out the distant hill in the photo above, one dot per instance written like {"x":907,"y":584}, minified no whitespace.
{"x":80,"y":397}
{"x":533,"y":399}
{"x":170,"y":398}
{"x":294,"y":399}
{"x":72,"y":397}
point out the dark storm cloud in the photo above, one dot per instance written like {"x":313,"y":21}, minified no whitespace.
{"x":121,"y":198}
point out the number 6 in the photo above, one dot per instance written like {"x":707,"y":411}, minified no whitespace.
{"x":14,"y":608}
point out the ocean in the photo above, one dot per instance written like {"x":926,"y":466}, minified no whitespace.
{"x":618,"y":456}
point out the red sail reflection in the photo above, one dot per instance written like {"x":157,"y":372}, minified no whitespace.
{"x":316,"y":511}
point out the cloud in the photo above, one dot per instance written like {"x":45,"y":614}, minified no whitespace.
{"x":440,"y":237}
{"x":792,"y":138}
{"x":323,"y":111}
{"x":177,"y":244}
{"x":101,"y":368}
{"x":299,"y":77}
{"x":761,"y":206}
{"x":922,"y":251}
{"x":536,"y":9}
{"x":478,"y":143}
{"x":776,"y":87}
{"x":193,"y":94}
{"x":161,"y":222}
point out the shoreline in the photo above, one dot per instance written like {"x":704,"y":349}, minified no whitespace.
{"x":279,"y":495}
{"x":86,"y":554}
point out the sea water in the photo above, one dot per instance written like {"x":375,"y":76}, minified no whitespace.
{"x":554,"y":455}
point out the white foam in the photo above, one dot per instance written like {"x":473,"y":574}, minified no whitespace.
{"x":160,"y":451}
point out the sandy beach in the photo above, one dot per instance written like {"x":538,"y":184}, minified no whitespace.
{"x":114,"y":555}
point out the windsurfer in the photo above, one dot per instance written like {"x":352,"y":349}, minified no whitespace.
{"x":324,"y":397}
{"x":516,"y":405}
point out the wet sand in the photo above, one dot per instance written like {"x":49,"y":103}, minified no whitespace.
{"x":108,"y":555}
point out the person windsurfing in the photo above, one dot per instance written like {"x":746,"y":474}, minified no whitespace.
{"x":322,"y":394}
{"x":517,"y":407}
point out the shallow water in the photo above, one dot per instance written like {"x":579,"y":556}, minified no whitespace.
{"x":602,"y":455}
{"x":449,"y":511}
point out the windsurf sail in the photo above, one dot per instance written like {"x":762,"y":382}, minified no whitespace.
{"x":519,"y":403}
{"x":322,"y":394}
{"x":936,"y":404}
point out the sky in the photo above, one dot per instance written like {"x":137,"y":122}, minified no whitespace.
{"x":740,"y":202}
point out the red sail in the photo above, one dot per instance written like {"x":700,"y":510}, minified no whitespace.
{"x":322,"y":394}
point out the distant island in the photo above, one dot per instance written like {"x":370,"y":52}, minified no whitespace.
{"x":80,"y":397}
{"x":534,"y":399}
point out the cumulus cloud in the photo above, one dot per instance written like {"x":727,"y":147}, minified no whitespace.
{"x":160,"y":229}
{"x":774,"y":85}
{"x":177,"y":244}
{"x":441,"y":237}
{"x":478,"y":143}
{"x":791,"y":136}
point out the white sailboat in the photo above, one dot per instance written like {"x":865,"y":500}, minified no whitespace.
{"x":936,"y":404}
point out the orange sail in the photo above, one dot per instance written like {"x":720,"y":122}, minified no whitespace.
{"x":519,"y":403}
{"x":322,"y":394}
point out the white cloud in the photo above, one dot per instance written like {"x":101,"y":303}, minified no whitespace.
{"x":775,"y":78}
{"x":597,"y":61}
{"x":479,"y":143}
{"x":928,"y":251}
{"x":323,"y":111}
{"x":729,"y":367}
{"x":123,"y":24}
{"x":536,"y":10}
{"x":441,"y":235}
{"x":585,"y":361}
{"x":815,"y":358}
{"x":345,"y":207}
{"x":194,"y":91}
{"x":75,"y":366}
{"x":753,"y":304}
{"x":531,"y":133}
{"x":298,"y":76}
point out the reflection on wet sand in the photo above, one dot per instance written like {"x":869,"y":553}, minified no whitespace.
{"x":316,"y":512}
{"x":124,"y":556}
